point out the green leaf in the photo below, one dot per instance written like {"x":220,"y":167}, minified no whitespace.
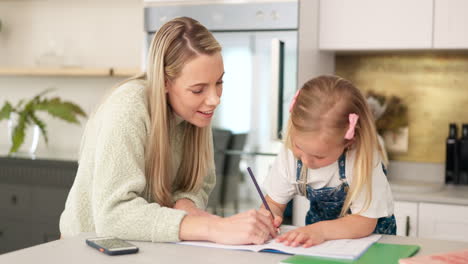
{"x":6,"y":111}
{"x":58,"y":109}
{"x":76,"y":109}
{"x":20,"y":103}
{"x":40,"y":124}
{"x":18,"y":133}
{"x":39,"y":95}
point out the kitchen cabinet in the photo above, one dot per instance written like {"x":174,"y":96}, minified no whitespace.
{"x":406,"y":215}
{"x":393,"y":25}
{"x":32,"y":197}
{"x":375,"y":25}
{"x":450,"y":24}
{"x":443,"y":221}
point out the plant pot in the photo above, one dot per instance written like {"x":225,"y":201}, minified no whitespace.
{"x":31,"y":136}
{"x":397,"y":142}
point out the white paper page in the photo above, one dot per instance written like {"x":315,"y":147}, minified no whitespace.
{"x":341,"y":248}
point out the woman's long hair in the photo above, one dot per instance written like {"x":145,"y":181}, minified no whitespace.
{"x":323,"y":105}
{"x":177,"y":42}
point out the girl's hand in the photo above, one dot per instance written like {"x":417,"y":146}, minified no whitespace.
{"x":251,"y":227}
{"x":277,"y":220}
{"x":306,"y":236}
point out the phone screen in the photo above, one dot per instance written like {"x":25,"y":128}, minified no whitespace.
{"x":112,"y":243}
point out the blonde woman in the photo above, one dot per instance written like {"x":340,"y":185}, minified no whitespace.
{"x":332,"y":157}
{"x":146,"y":166}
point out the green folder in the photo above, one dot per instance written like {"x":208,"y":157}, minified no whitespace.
{"x":378,"y":253}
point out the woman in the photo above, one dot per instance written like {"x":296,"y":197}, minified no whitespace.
{"x":146,"y":164}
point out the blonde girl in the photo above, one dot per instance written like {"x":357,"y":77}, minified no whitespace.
{"x":332,"y":157}
{"x":146,"y":166}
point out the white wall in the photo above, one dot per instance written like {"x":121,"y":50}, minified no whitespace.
{"x":64,"y":138}
{"x":86,"y":33}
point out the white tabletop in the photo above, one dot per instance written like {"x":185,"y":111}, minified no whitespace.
{"x":74,"y":250}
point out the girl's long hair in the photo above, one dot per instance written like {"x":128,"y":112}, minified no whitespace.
{"x":323,"y":105}
{"x":176,"y":43}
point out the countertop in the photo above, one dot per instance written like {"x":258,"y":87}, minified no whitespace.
{"x":74,"y":250}
{"x":444,"y":194}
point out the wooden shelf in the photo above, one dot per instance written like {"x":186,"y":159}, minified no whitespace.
{"x":71,"y":72}
{"x":124,"y":72}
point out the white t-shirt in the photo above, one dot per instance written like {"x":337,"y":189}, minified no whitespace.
{"x":281,"y":184}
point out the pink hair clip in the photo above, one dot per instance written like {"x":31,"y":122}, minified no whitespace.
{"x":293,"y":102}
{"x":353,"y":118}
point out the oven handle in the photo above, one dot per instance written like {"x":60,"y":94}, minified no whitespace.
{"x":277,"y":88}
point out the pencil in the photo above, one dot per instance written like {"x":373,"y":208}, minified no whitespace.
{"x":260,"y":192}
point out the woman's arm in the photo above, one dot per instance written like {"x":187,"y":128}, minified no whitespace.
{"x":189,"y":206}
{"x":251,"y":227}
{"x":350,"y":226}
{"x":198,"y":198}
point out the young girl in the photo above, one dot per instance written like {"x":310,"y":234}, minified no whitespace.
{"x":332,"y":157}
{"x":146,"y":166}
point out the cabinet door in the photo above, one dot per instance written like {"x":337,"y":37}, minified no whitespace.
{"x":14,"y":235}
{"x":441,"y":221}
{"x":450,"y":24}
{"x":54,"y":198}
{"x":406,"y":214}
{"x":372,"y":25}
{"x":15,"y":201}
{"x":300,"y":207}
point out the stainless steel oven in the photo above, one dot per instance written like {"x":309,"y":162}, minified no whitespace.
{"x":259,"y":43}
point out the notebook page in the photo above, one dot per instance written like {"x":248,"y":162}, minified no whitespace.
{"x":341,"y":248}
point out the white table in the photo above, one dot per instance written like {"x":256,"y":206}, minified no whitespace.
{"x":74,"y":250}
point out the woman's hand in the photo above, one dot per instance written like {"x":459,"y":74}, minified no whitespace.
{"x":250,"y":227}
{"x":306,"y":236}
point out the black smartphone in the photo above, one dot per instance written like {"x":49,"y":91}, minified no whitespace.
{"x":112,"y":245}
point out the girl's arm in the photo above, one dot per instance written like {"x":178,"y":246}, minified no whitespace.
{"x":251,"y":227}
{"x":277,"y":210}
{"x":350,"y":226}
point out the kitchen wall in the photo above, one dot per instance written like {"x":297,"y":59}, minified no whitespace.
{"x":64,"y":138}
{"x":66,"y":33}
{"x":434,"y":85}
{"x":86,"y":33}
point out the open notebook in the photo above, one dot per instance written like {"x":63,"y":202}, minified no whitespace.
{"x":341,"y":248}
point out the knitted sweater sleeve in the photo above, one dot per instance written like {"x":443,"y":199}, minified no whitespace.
{"x":119,"y":182}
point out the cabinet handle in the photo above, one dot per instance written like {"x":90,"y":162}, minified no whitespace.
{"x":407,"y":231}
{"x":1,"y":233}
{"x":14,"y":199}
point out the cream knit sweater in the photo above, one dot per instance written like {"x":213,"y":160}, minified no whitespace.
{"x":107,"y":195}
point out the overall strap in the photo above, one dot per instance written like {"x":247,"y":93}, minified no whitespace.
{"x":298,"y":170}
{"x":342,"y":166}
{"x":301,"y":178}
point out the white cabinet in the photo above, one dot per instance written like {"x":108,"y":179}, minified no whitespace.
{"x":406,"y":214}
{"x":371,"y":24}
{"x":442,"y":221}
{"x":451,"y":24}
{"x":393,"y":24}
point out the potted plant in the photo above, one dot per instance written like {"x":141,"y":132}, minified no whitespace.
{"x":24,"y":114}
{"x":391,"y":115}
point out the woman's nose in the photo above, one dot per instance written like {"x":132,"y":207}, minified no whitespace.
{"x":213,"y":98}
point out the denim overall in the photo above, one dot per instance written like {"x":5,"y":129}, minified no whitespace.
{"x":326,"y":203}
